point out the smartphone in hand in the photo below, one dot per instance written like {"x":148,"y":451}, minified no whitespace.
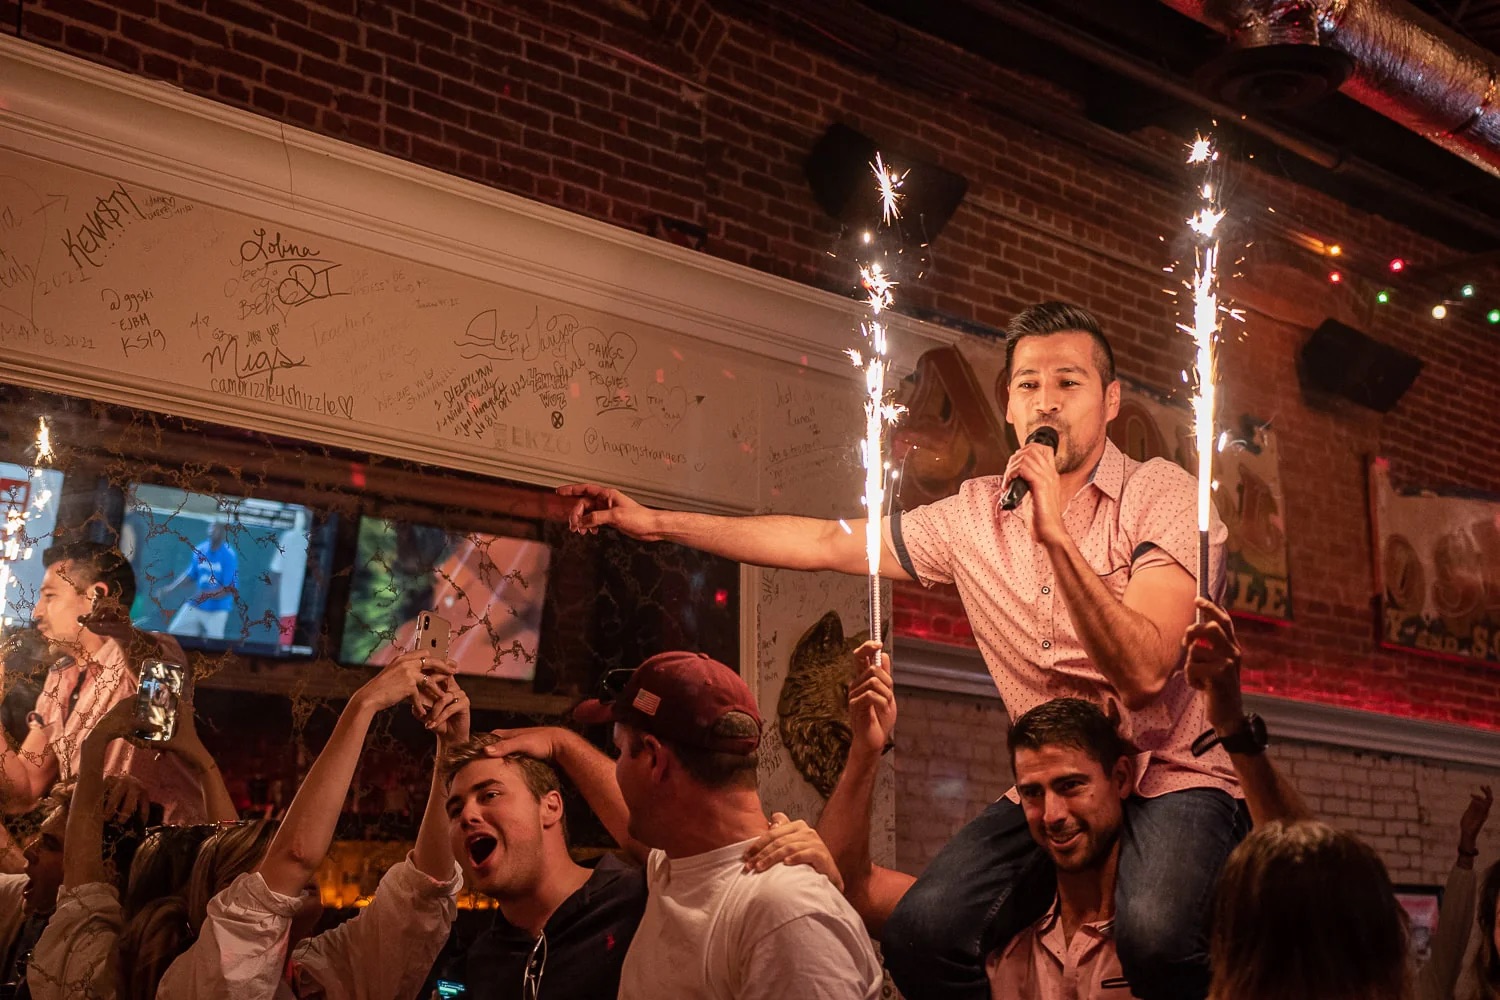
{"x":157,"y":697}
{"x":431,"y":637}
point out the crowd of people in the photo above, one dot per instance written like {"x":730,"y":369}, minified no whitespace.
{"x":1149,"y":848}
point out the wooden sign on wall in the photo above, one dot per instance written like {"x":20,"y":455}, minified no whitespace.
{"x":1437,"y":570}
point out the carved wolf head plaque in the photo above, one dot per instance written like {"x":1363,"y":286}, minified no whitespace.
{"x":813,"y":709}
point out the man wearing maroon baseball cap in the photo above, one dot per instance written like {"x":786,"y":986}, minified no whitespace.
{"x":684,"y":791}
{"x":682,"y":697}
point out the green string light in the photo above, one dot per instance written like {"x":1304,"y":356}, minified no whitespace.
{"x":1383,"y":296}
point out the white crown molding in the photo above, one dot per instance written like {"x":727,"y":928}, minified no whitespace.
{"x":1353,"y":729}
{"x":936,"y":666}
{"x":72,"y":111}
{"x":931,"y":666}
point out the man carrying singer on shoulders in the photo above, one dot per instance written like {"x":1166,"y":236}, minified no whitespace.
{"x":1082,"y":589}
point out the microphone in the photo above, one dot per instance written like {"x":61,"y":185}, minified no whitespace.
{"x":1018,"y":487}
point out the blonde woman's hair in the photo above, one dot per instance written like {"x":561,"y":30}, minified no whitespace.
{"x":224,"y":857}
{"x":161,"y":929}
{"x":163,"y":864}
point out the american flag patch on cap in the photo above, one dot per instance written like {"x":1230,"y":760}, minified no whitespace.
{"x":646,"y":702}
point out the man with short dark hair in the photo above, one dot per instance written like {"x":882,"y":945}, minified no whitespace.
{"x":684,"y":792}
{"x":1074,"y":773}
{"x":562,"y":930}
{"x":1082,"y":589}
{"x":83,"y":609}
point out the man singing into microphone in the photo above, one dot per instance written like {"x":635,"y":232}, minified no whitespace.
{"x":1083,"y":589}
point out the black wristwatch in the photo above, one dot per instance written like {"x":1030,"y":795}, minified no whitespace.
{"x":1251,"y":738}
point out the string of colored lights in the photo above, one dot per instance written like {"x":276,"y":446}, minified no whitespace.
{"x":1461,"y":296}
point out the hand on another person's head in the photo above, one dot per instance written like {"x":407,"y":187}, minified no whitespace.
{"x":125,"y":799}
{"x":539,"y":742}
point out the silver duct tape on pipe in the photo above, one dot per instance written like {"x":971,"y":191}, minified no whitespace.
{"x":1408,"y":67}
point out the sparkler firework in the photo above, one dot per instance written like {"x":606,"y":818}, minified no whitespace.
{"x":891,"y":196}
{"x":1204,"y":329}
{"x":20,"y":507}
{"x":880,"y":287}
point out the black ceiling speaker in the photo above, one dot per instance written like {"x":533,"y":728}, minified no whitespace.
{"x":1274,"y":60}
{"x":1338,"y":359}
{"x":838,"y":169}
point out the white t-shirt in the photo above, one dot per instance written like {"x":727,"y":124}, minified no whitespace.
{"x":711,"y":931}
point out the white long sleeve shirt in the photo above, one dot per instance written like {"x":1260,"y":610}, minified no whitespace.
{"x":384,"y":953}
{"x":74,"y":957}
{"x":1439,"y":976}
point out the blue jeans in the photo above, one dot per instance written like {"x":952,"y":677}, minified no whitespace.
{"x":991,"y":881}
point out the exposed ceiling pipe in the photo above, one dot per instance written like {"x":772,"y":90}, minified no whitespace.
{"x":1071,"y":39}
{"x":1407,"y":66}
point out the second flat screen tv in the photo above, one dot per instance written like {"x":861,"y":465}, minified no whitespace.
{"x":490,"y":588}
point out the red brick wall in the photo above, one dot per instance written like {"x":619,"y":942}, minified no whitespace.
{"x":952,"y":763}
{"x":679,"y":111}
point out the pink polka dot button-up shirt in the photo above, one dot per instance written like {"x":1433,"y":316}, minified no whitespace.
{"x":1129,"y":518}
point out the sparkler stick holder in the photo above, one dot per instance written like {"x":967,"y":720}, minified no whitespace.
{"x":1203,"y":570}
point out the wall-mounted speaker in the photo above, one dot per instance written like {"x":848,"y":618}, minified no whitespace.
{"x":838,"y":169}
{"x":1340,"y":360}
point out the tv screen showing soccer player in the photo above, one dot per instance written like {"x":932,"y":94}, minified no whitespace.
{"x":227,"y":572}
{"x":490,"y":589}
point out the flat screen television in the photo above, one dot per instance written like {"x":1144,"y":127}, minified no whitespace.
{"x":490,"y":588}
{"x":227,"y":572}
{"x":28,"y":515}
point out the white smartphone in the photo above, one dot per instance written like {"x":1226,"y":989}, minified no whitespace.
{"x":431,"y":637}
{"x":156,"y":699}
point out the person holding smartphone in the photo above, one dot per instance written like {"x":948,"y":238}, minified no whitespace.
{"x":82,"y":610}
{"x":75,"y":953}
{"x":253,"y":939}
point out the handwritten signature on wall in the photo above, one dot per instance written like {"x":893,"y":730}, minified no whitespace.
{"x":264,"y":359}
{"x":276,"y":275}
{"x":111,"y":213}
